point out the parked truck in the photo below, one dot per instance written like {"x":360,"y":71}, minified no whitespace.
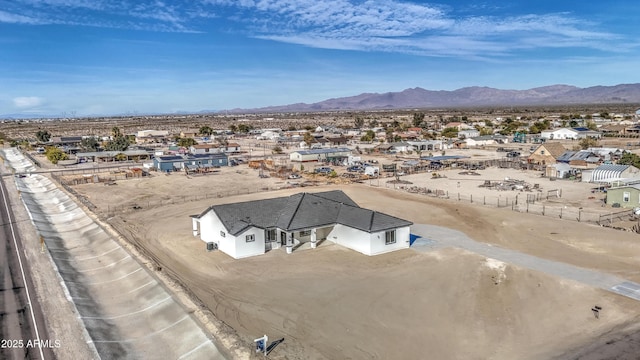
{"x":372,"y":171}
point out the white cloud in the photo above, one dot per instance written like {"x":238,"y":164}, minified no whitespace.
{"x":400,"y":26}
{"x":362,"y":25}
{"x":27,"y":102}
{"x":7,"y":17}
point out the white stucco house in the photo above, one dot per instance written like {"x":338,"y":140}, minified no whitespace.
{"x":254,"y":227}
{"x":556,"y":134}
{"x":570,"y":133}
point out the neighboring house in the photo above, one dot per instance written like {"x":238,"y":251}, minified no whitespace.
{"x":559,"y":134}
{"x":147,"y":133}
{"x":409,"y":136}
{"x":315,"y":143}
{"x":269,"y":135}
{"x":338,"y":141}
{"x":457,"y":125}
{"x":635,"y":129}
{"x":401,"y":147}
{"x":584,"y":133}
{"x":613,"y":129}
{"x":609,"y":173}
{"x":151,"y":136}
{"x":627,"y":196}
{"x":168,"y":163}
{"x":465,"y":134}
{"x":582,"y":158}
{"x":485,"y":140}
{"x":607,"y":154}
{"x":231,"y":148}
{"x":426,"y":145}
{"x":189,"y":133}
{"x":546,"y":153}
{"x":319,"y":154}
{"x":107,"y":156}
{"x":254,"y":227}
{"x":205,"y":149}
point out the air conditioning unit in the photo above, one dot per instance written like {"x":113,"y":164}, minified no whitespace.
{"x":212,"y":246}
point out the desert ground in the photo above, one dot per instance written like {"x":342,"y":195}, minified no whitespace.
{"x":442,"y":303}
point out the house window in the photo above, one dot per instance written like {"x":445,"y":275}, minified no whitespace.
{"x":626,"y":196}
{"x":541,"y":152}
{"x":390,"y":237}
{"x":305,"y":233}
{"x":271,"y":235}
{"x":250,"y":238}
{"x":222,"y":234}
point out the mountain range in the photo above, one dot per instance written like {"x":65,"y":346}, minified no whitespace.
{"x":469,"y":97}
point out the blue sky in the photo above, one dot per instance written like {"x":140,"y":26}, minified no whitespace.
{"x":95,"y":57}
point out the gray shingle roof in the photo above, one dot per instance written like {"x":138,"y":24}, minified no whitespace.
{"x":302,"y":211}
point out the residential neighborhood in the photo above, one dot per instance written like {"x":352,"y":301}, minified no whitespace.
{"x":273,"y":200}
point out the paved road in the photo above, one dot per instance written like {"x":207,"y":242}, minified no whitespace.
{"x":437,"y":236}
{"x":22,"y":333}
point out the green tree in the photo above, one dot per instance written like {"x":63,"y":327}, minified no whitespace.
{"x":115,"y":132}
{"x":368,"y":136}
{"x":244,"y":128}
{"x":630,"y":159}
{"x":186,"y":142}
{"x":119,"y":143}
{"x":89,"y":144}
{"x":308,"y":138}
{"x":373,"y":123}
{"x":120,"y":157}
{"x":359,"y":122}
{"x":233,"y":128}
{"x":587,"y":143}
{"x":278,"y":150}
{"x":418,"y":118}
{"x":591,"y":125}
{"x":55,"y":154}
{"x":205,"y":130}
{"x":43,"y":136}
{"x":450,"y":132}
{"x":389,"y":134}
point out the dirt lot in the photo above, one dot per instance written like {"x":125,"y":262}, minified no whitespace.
{"x":335,"y":303}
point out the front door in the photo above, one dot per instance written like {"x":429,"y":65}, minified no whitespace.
{"x":283,"y":238}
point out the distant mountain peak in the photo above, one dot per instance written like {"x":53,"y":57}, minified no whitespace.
{"x":471,"y":96}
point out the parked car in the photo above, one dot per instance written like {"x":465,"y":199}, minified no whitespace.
{"x":294,"y":176}
{"x":355,"y":168}
{"x":513,"y":154}
{"x":323,"y":170}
